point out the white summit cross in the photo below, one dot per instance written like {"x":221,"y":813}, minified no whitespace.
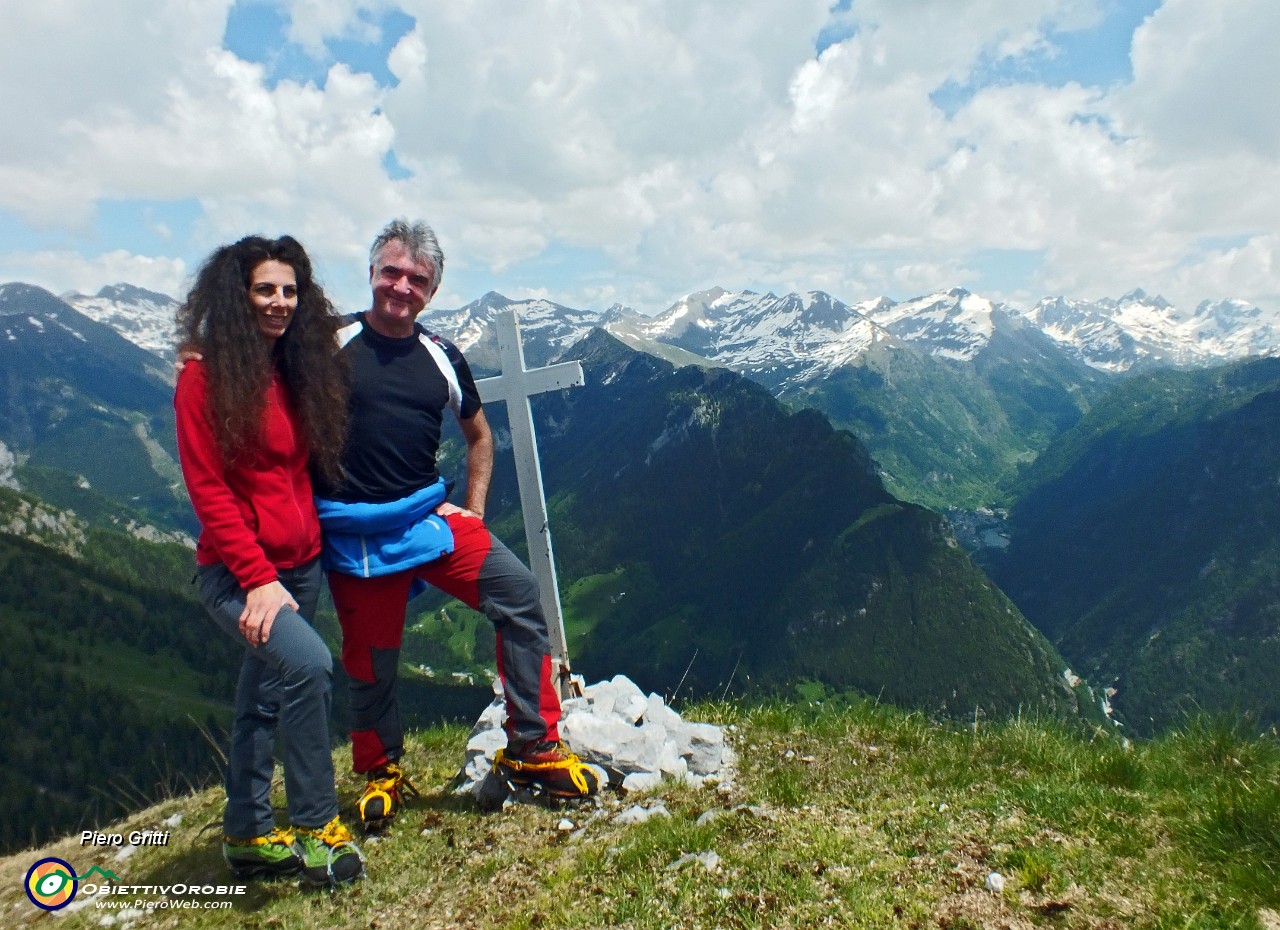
{"x":515,"y":386}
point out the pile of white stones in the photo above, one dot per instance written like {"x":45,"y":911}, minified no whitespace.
{"x":634,"y":740}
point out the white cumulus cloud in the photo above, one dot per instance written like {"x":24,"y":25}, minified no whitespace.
{"x":681,"y":143}
{"x":63,"y":271}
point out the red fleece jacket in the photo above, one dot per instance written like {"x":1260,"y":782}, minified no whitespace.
{"x":257,"y":514}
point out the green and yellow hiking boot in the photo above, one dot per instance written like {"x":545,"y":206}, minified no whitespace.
{"x":329,"y":857}
{"x":549,"y":766}
{"x":274,"y":854}
{"x":383,"y":797}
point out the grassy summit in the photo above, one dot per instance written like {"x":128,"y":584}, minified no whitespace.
{"x":844,"y":814}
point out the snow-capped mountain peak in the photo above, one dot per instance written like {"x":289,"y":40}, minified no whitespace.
{"x":798,"y":336}
{"x":953,"y":324}
{"x":1138,"y":331}
{"x":694,"y":310}
{"x":143,"y":317}
{"x":546,"y":327}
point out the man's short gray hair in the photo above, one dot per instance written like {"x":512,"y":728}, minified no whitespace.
{"x":418,"y":238}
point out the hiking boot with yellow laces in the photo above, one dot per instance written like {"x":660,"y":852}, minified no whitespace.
{"x":329,"y":857}
{"x":550,"y":767}
{"x":274,"y":854}
{"x":384,"y":796}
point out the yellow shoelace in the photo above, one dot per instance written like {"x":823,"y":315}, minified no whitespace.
{"x":331,"y":834}
{"x":394,"y":779}
{"x":283,"y":837}
{"x":570,"y":763}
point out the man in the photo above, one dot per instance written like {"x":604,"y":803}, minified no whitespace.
{"x":388,"y":530}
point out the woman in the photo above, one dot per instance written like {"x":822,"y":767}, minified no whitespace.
{"x":259,"y":402}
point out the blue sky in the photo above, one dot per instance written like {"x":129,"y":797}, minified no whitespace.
{"x":258,"y":31}
{"x":636,"y":151}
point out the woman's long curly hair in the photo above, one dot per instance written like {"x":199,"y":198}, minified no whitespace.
{"x":218,"y":321}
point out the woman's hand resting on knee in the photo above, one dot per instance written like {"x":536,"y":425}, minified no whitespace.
{"x":260,"y":609}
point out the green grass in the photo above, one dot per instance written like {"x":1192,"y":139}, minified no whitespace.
{"x":450,"y":639}
{"x":843,"y":814}
{"x":588,"y":599}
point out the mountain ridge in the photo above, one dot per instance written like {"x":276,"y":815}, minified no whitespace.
{"x":1134,"y":331}
{"x":85,"y":410}
{"x":951,"y":391}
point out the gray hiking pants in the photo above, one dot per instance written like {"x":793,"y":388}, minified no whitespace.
{"x":285,"y":690}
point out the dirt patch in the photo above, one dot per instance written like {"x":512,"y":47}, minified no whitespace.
{"x":973,"y":909}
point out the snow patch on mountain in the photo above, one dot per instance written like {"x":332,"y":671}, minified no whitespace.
{"x":143,"y":317}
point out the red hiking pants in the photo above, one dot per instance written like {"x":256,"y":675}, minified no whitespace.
{"x":483,"y":574}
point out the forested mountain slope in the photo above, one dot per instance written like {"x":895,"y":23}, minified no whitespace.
{"x":1146,"y":543}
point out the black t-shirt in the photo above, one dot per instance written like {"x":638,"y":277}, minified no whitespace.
{"x":399,"y":390}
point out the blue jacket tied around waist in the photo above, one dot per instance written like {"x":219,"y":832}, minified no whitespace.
{"x":368,"y":540}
